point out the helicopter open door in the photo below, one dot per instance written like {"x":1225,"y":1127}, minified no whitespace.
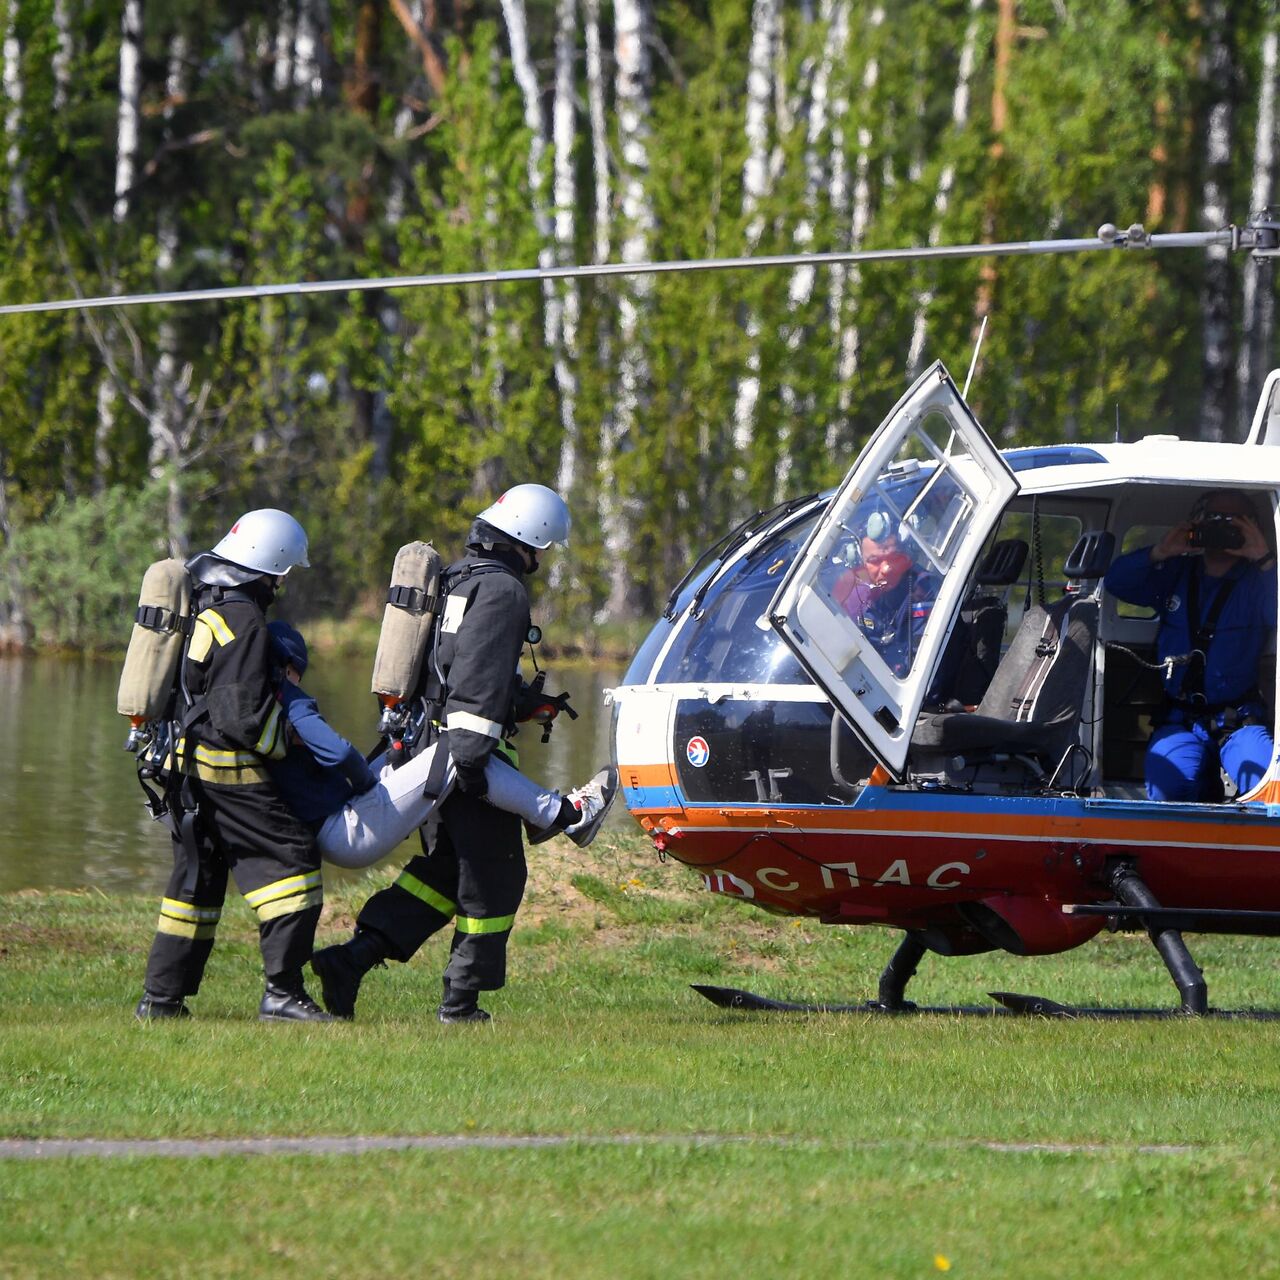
{"x":924,"y":495}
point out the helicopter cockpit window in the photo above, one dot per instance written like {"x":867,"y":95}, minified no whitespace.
{"x":728,"y":641}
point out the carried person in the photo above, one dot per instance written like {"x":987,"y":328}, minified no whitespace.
{"x":224,"y":812}
{"x":1212,"y":582}
{"x":361,"y":811}
{"x":472,"y":871}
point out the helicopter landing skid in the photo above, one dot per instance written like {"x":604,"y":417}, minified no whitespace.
{"x":1013,"y":1005}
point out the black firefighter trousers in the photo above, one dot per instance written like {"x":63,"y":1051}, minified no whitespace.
{"x":248,"y":831}
{"x":472,"y":872}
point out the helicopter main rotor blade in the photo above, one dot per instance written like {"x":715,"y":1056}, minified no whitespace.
{"x":1107,"y":238}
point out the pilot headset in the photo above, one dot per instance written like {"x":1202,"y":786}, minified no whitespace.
{"x":878,"y":524}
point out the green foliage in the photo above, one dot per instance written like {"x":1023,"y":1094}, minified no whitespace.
{"x":84,"y":561}
{"x":377,"y":417}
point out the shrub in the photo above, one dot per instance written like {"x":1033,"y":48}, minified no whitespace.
{"x":80,"y":567}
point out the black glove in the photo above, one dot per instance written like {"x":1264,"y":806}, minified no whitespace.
{"x":472,"y":780}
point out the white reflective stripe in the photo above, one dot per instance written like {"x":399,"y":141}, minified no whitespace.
{"x":454,"y":609}
{"x":477,"y":724}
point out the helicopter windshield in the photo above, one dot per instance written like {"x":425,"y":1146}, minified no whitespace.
{"x":726,"y":642}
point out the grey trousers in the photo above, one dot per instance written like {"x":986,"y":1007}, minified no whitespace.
{"x":370,"y":826}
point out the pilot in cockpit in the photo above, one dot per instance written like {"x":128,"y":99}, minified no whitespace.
{"x":889,"y":595}
{"x":1212,"y":582}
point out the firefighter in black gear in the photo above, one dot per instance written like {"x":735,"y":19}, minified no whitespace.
{"x":472,"y":870}
{"x":225,"y":813}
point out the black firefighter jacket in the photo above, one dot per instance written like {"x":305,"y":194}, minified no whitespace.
{"x":228,"y":673}
{"x":483,"y":625}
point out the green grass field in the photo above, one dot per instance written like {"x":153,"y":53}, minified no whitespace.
{"x":756,"y":1144}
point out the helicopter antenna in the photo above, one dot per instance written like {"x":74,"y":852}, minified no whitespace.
{"x":1261,"y":237}
{"x":973,"y":364}
{"x":1117,"y":422}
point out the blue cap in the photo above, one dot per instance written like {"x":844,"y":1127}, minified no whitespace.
{"x":287,"y":646}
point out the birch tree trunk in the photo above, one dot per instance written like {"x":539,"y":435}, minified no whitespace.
{"x":130,"y":99}
{"x":553,"y":235}
{"x":849,"y":336}
{"x":619,"y":508}
{"x":1258,"y":311}
{"x":800,"y":287}
{"x":942,"y":199}
{"x":1215,"y":294}
{"x":17,"y":192}
{"x":565,"y":193}
{"x":599,"y":131}
{"x":309,"y":52}
{"x":755,"y":186}
{"x":167,"y":425}
{"x":282,"y":71}
{"x":63,"y":53}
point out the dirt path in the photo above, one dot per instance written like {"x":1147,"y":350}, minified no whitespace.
{"x":188,"y":1148}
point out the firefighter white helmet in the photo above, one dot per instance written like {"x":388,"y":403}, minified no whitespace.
{"x":267,"y":541}
{"x":531,"y":514}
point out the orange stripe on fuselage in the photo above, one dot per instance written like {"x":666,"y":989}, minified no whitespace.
{"x":647,"y":775}
{"x":1072,"y":826}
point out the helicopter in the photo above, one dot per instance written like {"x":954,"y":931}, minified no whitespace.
{"x":763,"y":741}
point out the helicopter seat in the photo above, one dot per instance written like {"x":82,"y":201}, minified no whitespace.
{"x":985,"y":614}
{"x":1028,"y":722}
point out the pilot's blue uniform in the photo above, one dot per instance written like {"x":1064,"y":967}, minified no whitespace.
{"x":1225,"y":721}
{"x":894,"y":622}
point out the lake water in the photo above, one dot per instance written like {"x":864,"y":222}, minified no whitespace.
{"x":71,"y":811}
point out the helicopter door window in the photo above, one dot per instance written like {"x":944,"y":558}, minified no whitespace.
{"x":869,"y":604}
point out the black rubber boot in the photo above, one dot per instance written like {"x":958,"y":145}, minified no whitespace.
{"x":459,"y":1005}
{"x":342,"y":968}
{"x":286,"y":1000}
{"x":151,"y":1007}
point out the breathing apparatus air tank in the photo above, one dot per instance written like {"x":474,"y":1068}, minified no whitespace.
{"x":155,"y":648}
{"x":412,"y":601}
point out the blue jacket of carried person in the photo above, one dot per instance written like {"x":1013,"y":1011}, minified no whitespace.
{"x":321,"y":770}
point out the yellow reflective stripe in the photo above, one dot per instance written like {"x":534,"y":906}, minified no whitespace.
{"x":271,"y":742}
{"x":476,"y":724}
{"x":425,"y":893}
{"x":286,"y":906}
{"x":220,"y":757}
{"x":217,"y":624}
{"x":230,"y":768}
{"x":188,"y":911}
{"x":508,"y":749}
{"x":283,"y":888}
{"x":201,"y":642}
{"x":242,"y":777}
{"x":496,"y":924}
{"x":185,"y":929}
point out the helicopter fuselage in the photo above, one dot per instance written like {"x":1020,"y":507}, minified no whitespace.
{"x":741,"y":757}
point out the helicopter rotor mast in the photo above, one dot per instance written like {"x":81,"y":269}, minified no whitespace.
{"x":1260,"y":235}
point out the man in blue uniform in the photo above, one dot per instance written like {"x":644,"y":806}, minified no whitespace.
{"x":891,"y":597}
{"x":1212,"y":582}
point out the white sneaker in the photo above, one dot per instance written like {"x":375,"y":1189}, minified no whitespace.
{"x":593,"y":799}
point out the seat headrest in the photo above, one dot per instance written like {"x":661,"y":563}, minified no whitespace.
{"x":1091,"y":556}
{"x":1003,"y":564}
